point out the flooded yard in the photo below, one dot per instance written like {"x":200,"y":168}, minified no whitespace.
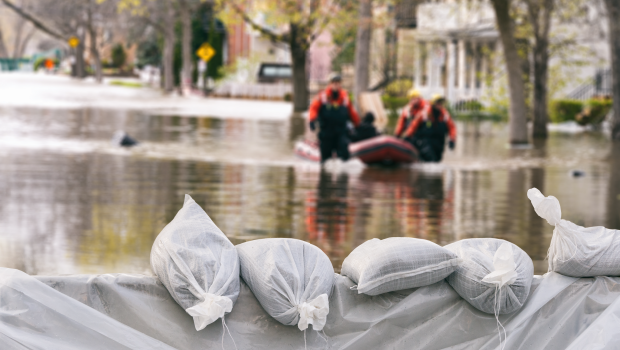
{"x":74,"y":203}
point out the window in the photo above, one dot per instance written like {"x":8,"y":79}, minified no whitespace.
{"x":277,"y":72}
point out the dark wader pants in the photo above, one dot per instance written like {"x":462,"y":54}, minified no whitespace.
{"x":333,"y":136}
{"x":331,"y":142}
{"x":430,"y":140}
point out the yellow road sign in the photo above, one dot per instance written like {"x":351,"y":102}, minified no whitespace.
{"x":73,"y":41}
{"x":205,"y":52}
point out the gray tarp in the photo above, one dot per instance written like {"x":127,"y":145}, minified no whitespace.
{"x":137,"y":312}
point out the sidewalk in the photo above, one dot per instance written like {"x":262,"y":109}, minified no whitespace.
{"x":52,"y":91}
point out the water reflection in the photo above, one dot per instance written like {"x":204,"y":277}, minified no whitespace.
{"x":72,"y":203}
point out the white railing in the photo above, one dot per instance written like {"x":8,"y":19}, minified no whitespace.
{"x":253,"y":90}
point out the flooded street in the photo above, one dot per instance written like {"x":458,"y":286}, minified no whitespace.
{"x":74,"y":203}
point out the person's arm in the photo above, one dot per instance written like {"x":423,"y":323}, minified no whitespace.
{"x":400,"y":125}
{"x":313,"y":112}
{"x":355,"y":119}
{"x":451,"y":130}
{"x":413,"y":127}
{"x":451,"y":127}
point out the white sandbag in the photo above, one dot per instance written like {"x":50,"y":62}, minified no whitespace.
{"x":198,"y":264}
{"x":575,"y":250}
{"x":381,"y":266}
{"x":291,"y":279}
{"x":495,"y":275}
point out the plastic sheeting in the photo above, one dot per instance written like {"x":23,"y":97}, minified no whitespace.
{"x":137,"y":311}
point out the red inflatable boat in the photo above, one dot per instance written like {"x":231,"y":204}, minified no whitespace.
{"x":386,"y":150}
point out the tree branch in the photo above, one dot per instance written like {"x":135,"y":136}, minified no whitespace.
{"x":33,"y":20}
{"x":160,"y":28}
{"x":285,"y":38}
{"x":326,"y":20}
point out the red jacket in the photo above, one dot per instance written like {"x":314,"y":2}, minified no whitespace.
{"x":409,"y":112}
{"x":326,"y":97}
{"x":425,"y":115}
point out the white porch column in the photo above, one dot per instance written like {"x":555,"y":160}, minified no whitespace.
{"x":461,"y":63}
{"x":417,"y":62}
{"x":484,"y":67}
{"x":472,"y":69}
{"x":497,"y":61}
{"x":430,"y":72}
{"x":450,"y":70}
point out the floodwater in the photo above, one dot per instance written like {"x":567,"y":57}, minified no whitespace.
{"x":74,"y":203}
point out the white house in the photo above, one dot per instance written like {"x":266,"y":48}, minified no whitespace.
{"x":457,"y":51}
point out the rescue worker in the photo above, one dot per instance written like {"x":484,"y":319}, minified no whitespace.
{"x":415,"y":105}
{"x":429,"y":129}
{"x":333,"y":110}
{"x":366,"y":130}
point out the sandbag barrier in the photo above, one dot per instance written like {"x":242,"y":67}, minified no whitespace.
{"x":292,"y":280}
{"x":398,"y":293}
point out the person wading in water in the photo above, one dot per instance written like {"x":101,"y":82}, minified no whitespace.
{"x":416,"y":105}
{"x":429,"y":129}
{"x":333,"y":110}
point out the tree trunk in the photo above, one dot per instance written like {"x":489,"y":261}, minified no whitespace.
{"x":94,"y":50}
{"x":613,"y":204}
{"x":613,"y":13}
{"x":186,"y":45}
{"x":168,"y":59}
{"x":19,"y":29}
{"x":24,"y":43}
{"x":541,"y":74}
{"x":80,"y":72}
{"x":540,"y":17}
{"x":518,"y":110}
{"x":3,"y":51}
{"x":362,"y":49}
{"x":299,"y":51}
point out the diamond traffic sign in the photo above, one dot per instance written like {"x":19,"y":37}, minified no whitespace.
{"x":205,"y":52}
{"x":73,"y":41}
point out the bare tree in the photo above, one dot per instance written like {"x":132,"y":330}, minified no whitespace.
{"x":186,"y":8}
{"x":362,"y":49}
{"x":22,"y":36}
{"x":613,"y":13}
{"x":32,"y":19}
{"x":304,"y":21}
{"x":66,"y":18}
{"x":92,"y":36}
{"x":518,"y":109}
{"x":169,"y":40}
{"x":3,"y":51}
{"x":162,"y":16}
{"x":539,"y":14}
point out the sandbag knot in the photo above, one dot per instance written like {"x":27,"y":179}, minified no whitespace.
{"x":313,"y":312}
{"x":209,"y":310}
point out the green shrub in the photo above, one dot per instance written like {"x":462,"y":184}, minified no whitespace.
{"x":564,"y":110}
{"x":118,"y":56}
{"x":40,"y":62}
{"x":393,"y":104}
{"x":470,"y":105}
{"x":288,"y":97}
{"x":480,"y":116}
{"x":132,"y":84}
{"x":594,"y":111}
{"x":398,"y":88}
{"x":390,"y":102}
